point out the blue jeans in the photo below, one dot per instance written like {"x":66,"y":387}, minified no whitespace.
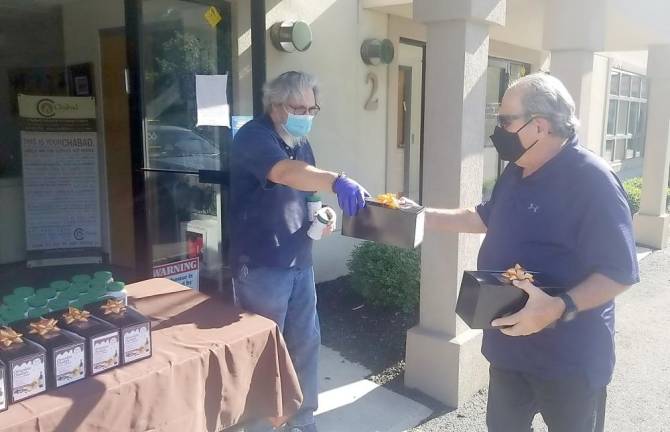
{"x":288,"y":297}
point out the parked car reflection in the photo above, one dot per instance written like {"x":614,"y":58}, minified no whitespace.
{"x":181,"y":149}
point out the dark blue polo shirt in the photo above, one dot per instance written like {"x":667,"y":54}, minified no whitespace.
{"x":268,"y":226}
{"x":569,"y":219}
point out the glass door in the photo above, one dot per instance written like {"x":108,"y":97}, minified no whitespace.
{"x":184,"y":53}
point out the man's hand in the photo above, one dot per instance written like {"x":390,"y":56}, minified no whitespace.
{"x":332,"y":225}
{"x":350,"y":195}
{"x":540,"y":311}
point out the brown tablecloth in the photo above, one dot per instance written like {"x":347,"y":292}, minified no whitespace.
{"x":213,"y":366}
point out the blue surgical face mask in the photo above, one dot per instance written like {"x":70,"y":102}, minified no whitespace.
{"x":298,"y":125}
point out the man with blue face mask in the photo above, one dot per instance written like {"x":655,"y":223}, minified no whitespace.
{"x":273,"y":174}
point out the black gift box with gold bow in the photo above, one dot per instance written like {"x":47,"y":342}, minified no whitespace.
{"x":135,"y":328}
{"x":66,"y":351}
{"x":377,"y":222}
{"x":25,"y":360}
{"x":103,"y":340}
{"x":487,"y":295}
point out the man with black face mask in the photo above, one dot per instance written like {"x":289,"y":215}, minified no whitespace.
{"x":560,"y":210}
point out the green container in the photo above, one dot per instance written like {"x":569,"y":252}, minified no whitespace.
{"x":87,"y":299}
{"x":59,"y":304}
{"x":104,"y":276}
{"x":98,"y":284}
{"x":14,"y":315}
{"x":97,"y":294}
{"x":81,"y":278}
{"x":37,"y":301}
{"x":70,"y":295}
{"x":78,"y":304}
{"x":81,"y":288}
{"x":24,"y":291}
{"x":60,"y":285}
{"x":47,"y":293}
{"x":13,"y":299}
{"x":38,"y":312}
{"x":116,"y":287}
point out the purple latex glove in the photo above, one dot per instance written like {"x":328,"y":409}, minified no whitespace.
{"x":350,"y":195}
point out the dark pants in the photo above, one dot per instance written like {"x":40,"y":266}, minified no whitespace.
{"x":566,"y":405}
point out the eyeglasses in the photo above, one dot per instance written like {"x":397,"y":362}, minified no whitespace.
{"x":303,"y":110}
{"x":504,"y":120}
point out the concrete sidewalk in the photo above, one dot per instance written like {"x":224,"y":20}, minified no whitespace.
{"x":638,"y":400}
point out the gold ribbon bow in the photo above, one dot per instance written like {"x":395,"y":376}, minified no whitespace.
{"x":518,"y":273}
{"x":74,"y":314}
{"x":9,"y":337}
{"x":390,"y":200}
{"x":113,"y":307}
{"x":44,"y":326}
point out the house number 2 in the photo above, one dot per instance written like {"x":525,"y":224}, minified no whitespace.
{"x":373,"y":101}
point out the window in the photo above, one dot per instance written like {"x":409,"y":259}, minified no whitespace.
{"x":626,"y":116}
{"x":499,"y":75}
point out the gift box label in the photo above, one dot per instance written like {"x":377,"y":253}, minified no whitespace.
{"x":69,"y":365}
{"x":28,"y":378}
{"x":136,"y":342}
{"x":104,"y":352}
{"x":3,"y":394}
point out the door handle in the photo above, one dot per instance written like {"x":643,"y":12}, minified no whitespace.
{"x":126,"y":79}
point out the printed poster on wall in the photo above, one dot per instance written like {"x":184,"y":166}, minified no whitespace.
{"x":59,"y":145}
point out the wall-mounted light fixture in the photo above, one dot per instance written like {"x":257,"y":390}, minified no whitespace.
{"x":376,"y":51}
{"x":291,"y":36}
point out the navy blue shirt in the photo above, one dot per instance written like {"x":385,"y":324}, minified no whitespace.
{"x":268,"y":221}
{"x":569,"y":219}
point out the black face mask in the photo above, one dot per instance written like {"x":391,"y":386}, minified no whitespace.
{"x":508,"y":144}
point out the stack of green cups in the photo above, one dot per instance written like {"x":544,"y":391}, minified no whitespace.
{"x":98,"y":289}
{"x":81,"y":287}
{"x":59,"y":304}
{"x":47,"y":293}
{"x":117,"y":290}
{"x":38,"y":306}
{"x":81,"y":278}
{"x":60,"y":285}
{"x":17,"y":307}
{"x":103,"y":276}
{"x":24,"y":292}
{"x":71,"y":295}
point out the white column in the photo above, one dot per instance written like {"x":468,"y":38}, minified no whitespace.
{"x":443,"y":355}
{"x":651,"y":223}
{"x":575,"y":68}
{"x":574,"y":30}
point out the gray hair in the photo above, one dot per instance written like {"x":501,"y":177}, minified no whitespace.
{"x":286,"y":86}
{"x":546,"y":96}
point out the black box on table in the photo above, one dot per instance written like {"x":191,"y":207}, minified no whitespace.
{"x":66,"y":351}
{"x":25,"y":362}
{"x":135,"y":328}
{"x":103,"y":341}
{"x":401,"y":227}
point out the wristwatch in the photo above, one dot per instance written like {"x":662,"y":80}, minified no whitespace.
{"x":570,"y":311}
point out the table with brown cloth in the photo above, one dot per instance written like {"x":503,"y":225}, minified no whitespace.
{"x":213,"y":366}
